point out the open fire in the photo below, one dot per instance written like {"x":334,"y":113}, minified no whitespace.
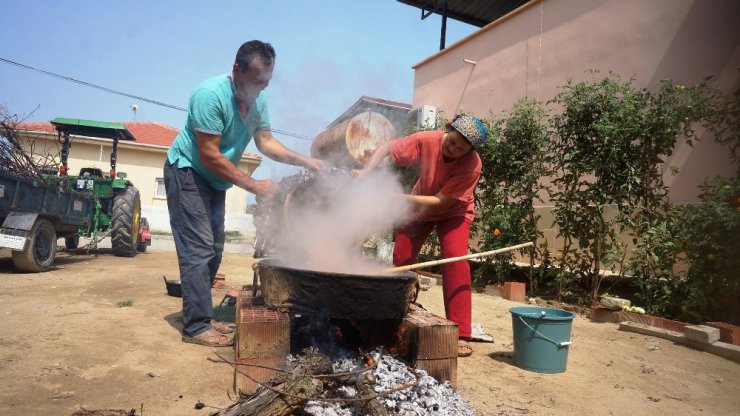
{"x":410,"y":369}
{"x":349,"y":385}
{"x":318,"y":302}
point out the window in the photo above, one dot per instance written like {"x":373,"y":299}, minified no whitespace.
{"x":159,"y":191}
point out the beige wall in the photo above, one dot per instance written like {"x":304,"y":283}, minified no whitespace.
{"x":532,"y":51}
{"x":143,"y":166}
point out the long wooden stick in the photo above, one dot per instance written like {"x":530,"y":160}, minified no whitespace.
{"x":453,"y":259}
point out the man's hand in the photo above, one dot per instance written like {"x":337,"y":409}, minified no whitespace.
{"x":313,"y":163}
{"x":264,"y":188}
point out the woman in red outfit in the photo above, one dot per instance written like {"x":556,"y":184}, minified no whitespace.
{"x":443,"y":197}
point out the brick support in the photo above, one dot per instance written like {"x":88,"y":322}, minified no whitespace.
{"x":262,"y":339}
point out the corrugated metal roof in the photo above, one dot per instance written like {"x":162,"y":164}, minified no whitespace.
{"x":475,"y":12}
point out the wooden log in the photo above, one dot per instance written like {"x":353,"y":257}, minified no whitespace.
{"x":372,"y":407}
{"x":269,"y":403}
{"x":429,"y":342}
{"x":454,"y":259}
{"x":350,"y":143}
{"x":290,"y":390}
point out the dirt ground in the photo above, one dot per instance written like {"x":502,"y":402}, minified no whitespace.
{"x":66,"y":345}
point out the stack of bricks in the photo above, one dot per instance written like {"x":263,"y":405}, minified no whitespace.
{"x":599,"y":314}
{"x":727,"y":332}
{"x":262,"y":340}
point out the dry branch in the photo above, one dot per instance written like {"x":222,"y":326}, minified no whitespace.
{"x":17,"y":156}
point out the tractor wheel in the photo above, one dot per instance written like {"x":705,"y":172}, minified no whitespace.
{"x":40,"y":250}
{"x":141,"y":247}
{"x":125,"y":222}
{"x":72,"y":241}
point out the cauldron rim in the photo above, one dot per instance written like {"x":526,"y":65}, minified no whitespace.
{"x":274,"y":262}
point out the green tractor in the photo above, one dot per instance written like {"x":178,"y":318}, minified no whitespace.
{"x":116,"y":201}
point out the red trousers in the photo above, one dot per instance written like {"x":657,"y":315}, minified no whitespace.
{"x":453,"y":237}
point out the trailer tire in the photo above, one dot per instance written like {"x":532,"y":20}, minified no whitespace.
{"x":72,"y":241}
{"x":40,"y":250}
{"x":141,"y":247}
{"x":143,"y":226}
{"x":125,"y":222}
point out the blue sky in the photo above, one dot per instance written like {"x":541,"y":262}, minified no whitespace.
{"x":329,"y":53}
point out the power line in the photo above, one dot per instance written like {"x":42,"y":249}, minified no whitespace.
{"x":125,"y":94}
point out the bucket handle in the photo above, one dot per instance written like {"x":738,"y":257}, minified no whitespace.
{"x":559,"y":344}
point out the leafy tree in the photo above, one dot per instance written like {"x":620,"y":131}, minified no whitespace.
{"x":609,"y":146}
{"x":513,"y":166}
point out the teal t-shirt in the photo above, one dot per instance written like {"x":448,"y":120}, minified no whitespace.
{"x":213,"y":109}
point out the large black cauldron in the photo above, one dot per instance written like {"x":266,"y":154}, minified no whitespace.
{"x":341,"y":296}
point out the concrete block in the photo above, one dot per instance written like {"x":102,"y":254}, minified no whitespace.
{"x":701,"y":333}
{"x":729,"y":351}
{"x":644,"y":329}
{"x":723,"y":349}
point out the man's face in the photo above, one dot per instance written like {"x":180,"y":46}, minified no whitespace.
{"x":454,"y":145}
{"x":249,"y":82}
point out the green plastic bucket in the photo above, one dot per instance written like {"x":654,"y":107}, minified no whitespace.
{"x":541,"y":338}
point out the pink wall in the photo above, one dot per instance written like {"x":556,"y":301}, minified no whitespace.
{"x":536,"y":48}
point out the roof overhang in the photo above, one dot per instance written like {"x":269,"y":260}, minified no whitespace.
{"x":92,"y":128}
{"x":474,"y":12}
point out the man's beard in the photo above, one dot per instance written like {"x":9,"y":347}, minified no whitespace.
{"x":247,"y":97}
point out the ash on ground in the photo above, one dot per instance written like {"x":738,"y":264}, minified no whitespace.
{"x":427,"y":397}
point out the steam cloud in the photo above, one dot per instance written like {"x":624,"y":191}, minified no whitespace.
{"x":326,"y":222}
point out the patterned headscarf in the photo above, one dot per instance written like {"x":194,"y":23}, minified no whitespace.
{"x":472,"y":128}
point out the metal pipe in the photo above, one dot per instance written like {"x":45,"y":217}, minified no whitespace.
{"x":443,"y":33}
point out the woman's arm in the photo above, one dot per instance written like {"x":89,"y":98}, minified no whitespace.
{"x":378,"y":155}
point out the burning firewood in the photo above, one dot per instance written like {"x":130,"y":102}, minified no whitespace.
{"x":374,"y":384}
{"x":311,"y":377}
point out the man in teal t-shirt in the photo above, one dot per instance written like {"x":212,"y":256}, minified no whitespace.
{"x":224,"y":114}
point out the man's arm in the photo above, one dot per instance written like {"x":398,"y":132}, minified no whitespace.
{"x":211,"y":157}
{"x":268,"y":145}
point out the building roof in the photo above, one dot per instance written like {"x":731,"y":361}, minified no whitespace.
{"x":145,"y":133}
{"x":475,"y":12}
{"x":366,"y":102}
